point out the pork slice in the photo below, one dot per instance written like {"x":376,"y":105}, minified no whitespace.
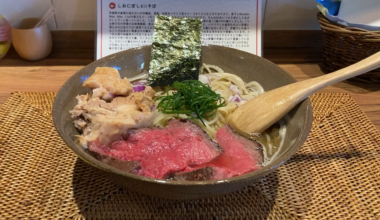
{"x":148,"y":91}
{"x":109,"y":79}
{"x":120,"y":101}
{"x":97,"y":118}
{"x":102,"y":93}
{"x":80,"y":123}
{"x":143,"y":101}
{"x":140,"y":100}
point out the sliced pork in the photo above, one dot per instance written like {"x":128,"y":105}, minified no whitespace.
{"x":106,"y":121}
{"x":161,"y":152}
{"x":106,"y":83}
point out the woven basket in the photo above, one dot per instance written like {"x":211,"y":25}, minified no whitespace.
{"x":346,"y":45}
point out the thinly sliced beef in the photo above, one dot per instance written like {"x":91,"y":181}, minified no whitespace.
{"x":194,"y":139}
{"x":161,"y":152}
{"x":240,"y":156}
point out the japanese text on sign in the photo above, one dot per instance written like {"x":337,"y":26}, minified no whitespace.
{"x":128,"y":25}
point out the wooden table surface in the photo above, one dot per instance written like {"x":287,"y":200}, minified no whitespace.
{"x":51,"y":78}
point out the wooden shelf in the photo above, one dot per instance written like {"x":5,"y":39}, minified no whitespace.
{"x":78,"y":48}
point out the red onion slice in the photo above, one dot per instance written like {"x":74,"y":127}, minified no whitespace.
{"x":235,"y":98}
{"x":204,"y":79}
{"x":111,"y":94}
{"x":138,"y":88}
{"x":234,"y":88}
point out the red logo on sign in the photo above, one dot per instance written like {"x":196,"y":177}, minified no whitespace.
{"x":112,"y":5}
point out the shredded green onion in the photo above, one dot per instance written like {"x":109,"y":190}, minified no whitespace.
{"x":193,"y":98}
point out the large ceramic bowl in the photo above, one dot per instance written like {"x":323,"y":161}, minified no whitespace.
{"x":131,"y":62}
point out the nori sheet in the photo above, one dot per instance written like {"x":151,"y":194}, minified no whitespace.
{"x":176,"y":50}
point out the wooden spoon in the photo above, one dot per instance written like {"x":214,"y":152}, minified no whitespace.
{"x":259,"y":113}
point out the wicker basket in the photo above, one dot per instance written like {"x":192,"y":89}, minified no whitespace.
{"x":346,"y":45}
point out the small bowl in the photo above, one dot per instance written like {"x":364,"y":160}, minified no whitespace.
{"x":31,"y":43}
{"x":132,"y":62}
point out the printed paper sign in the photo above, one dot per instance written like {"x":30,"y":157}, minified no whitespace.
{"x":126,"y":24}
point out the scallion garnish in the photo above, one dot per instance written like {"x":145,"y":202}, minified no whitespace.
{"x":193,"y":98}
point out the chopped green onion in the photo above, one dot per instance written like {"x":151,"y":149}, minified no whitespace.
{"x":193,"y":98}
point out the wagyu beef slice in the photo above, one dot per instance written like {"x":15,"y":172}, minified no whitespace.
{"x":163,"y":151}
{"x":240,"y":156}
{"x":197,"y":145}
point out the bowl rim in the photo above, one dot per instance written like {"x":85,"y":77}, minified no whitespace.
{"x":85,"y":156}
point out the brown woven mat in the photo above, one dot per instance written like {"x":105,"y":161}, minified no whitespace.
{"x":335,"y":175}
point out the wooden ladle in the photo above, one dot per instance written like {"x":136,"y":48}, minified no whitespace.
{"x":259,"y":113}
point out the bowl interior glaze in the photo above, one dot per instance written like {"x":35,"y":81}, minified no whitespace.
{"x":132,"y":62}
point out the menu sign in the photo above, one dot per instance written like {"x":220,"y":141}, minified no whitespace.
{"x":124,"y":24}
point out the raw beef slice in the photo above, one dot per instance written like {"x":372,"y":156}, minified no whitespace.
{"x":161,"y":152}
{"x":240,"y":156}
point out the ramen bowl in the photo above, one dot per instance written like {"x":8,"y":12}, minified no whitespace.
{"x":134,"y":61}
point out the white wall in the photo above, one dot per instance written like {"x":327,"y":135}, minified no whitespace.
{"x":81,"y":14}
{"x":291,"y":15}
{"x":71,"y":14}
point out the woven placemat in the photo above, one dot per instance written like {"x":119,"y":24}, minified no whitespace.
{"x":335,"y":175}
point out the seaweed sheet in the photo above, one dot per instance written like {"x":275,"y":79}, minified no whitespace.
{"x":176,"y":50}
